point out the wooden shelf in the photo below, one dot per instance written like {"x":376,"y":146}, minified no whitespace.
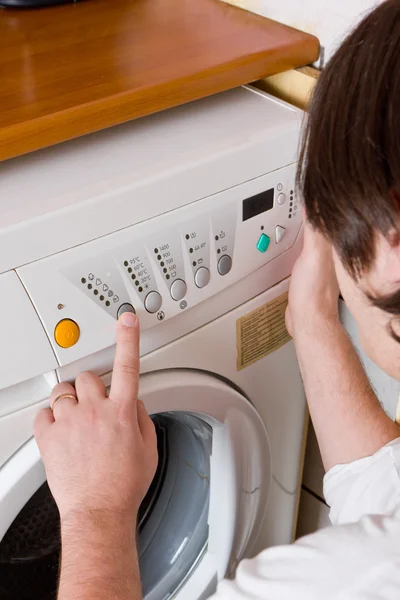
{"x":71,"y":70}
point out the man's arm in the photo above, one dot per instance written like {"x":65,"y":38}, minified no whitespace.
{"x":100,"y":455}
{"x":99,"y":558}
{"x":348,"y":419}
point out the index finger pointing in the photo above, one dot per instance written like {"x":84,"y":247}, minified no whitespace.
{"x":125,"y":377}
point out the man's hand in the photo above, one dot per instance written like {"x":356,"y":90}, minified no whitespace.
{"x":100,"y":453}
{"x":314,"y":290}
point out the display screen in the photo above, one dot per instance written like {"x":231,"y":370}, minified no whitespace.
{"x":258,"y":204}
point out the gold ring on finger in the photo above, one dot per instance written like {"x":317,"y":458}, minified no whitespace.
{"x":61,"y":397}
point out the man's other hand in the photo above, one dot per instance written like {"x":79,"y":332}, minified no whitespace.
{"x":314,"y":290}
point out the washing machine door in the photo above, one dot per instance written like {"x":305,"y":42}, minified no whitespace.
{"x":202,"y":512}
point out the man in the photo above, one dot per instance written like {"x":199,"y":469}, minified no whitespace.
{"x":100,"y":453}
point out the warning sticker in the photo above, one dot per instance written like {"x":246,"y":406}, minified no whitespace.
{"x":261,"y":332}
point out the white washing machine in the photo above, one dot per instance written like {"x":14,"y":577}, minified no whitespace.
{"x":190,"y":217}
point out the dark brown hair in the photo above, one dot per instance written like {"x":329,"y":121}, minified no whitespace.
{"x":349,"y":170}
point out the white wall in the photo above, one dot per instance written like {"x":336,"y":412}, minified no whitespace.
{"x":329,"y":20}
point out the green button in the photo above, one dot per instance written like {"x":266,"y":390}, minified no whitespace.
{"x":263,"y":243}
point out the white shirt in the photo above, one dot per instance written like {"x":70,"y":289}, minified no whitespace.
{"x":357,"y":559}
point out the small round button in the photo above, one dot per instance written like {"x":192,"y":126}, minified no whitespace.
{"x":152,"y":302}
{"x":281,"y":199}
{"x":279,"y":187}
{"x":125,"y":308}
{"x":224,"y":264}
{"x":202,"y":277}
{"x":178,"y":289}
{"x":66,"y":333}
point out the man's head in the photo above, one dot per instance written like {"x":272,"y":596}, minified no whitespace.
{"x":349,"y":176}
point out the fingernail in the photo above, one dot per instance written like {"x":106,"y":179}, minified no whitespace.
{"x":128,"y":319}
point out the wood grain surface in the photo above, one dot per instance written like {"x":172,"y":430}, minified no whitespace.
{"x":70,"y":70}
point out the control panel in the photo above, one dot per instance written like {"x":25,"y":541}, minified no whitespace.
{"x":162,"y":266}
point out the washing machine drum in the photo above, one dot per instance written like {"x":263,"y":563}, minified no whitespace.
{"x":199,"y":516}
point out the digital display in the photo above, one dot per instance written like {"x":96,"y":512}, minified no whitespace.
{"x":258,"y":204}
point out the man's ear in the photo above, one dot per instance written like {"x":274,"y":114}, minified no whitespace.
{"x":395,"y":194}
{"x":387,"y":259}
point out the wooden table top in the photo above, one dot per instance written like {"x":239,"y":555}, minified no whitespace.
{"x":70,"y":70}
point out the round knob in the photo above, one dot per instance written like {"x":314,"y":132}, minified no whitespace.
{"x":125,"y":308}
{"x":224,"y":264}
{"x":66,"y":333}
{"x":178,"y":289}
{"x":281,"y":199}
{"x":202,"y":277}
{"x":152,"y":302}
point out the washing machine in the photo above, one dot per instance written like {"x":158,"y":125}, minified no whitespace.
{"x":190,"y":218}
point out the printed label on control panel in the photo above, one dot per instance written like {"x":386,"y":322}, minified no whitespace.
{"x":224,"y":229}
{"x":136,"y":264}
{"x":167,"y":255}
{"x":261,"y":332}
{"x":99,"y":280}
{"x":197,"y":242}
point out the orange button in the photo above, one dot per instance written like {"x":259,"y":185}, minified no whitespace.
{"x":66,"y":333}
